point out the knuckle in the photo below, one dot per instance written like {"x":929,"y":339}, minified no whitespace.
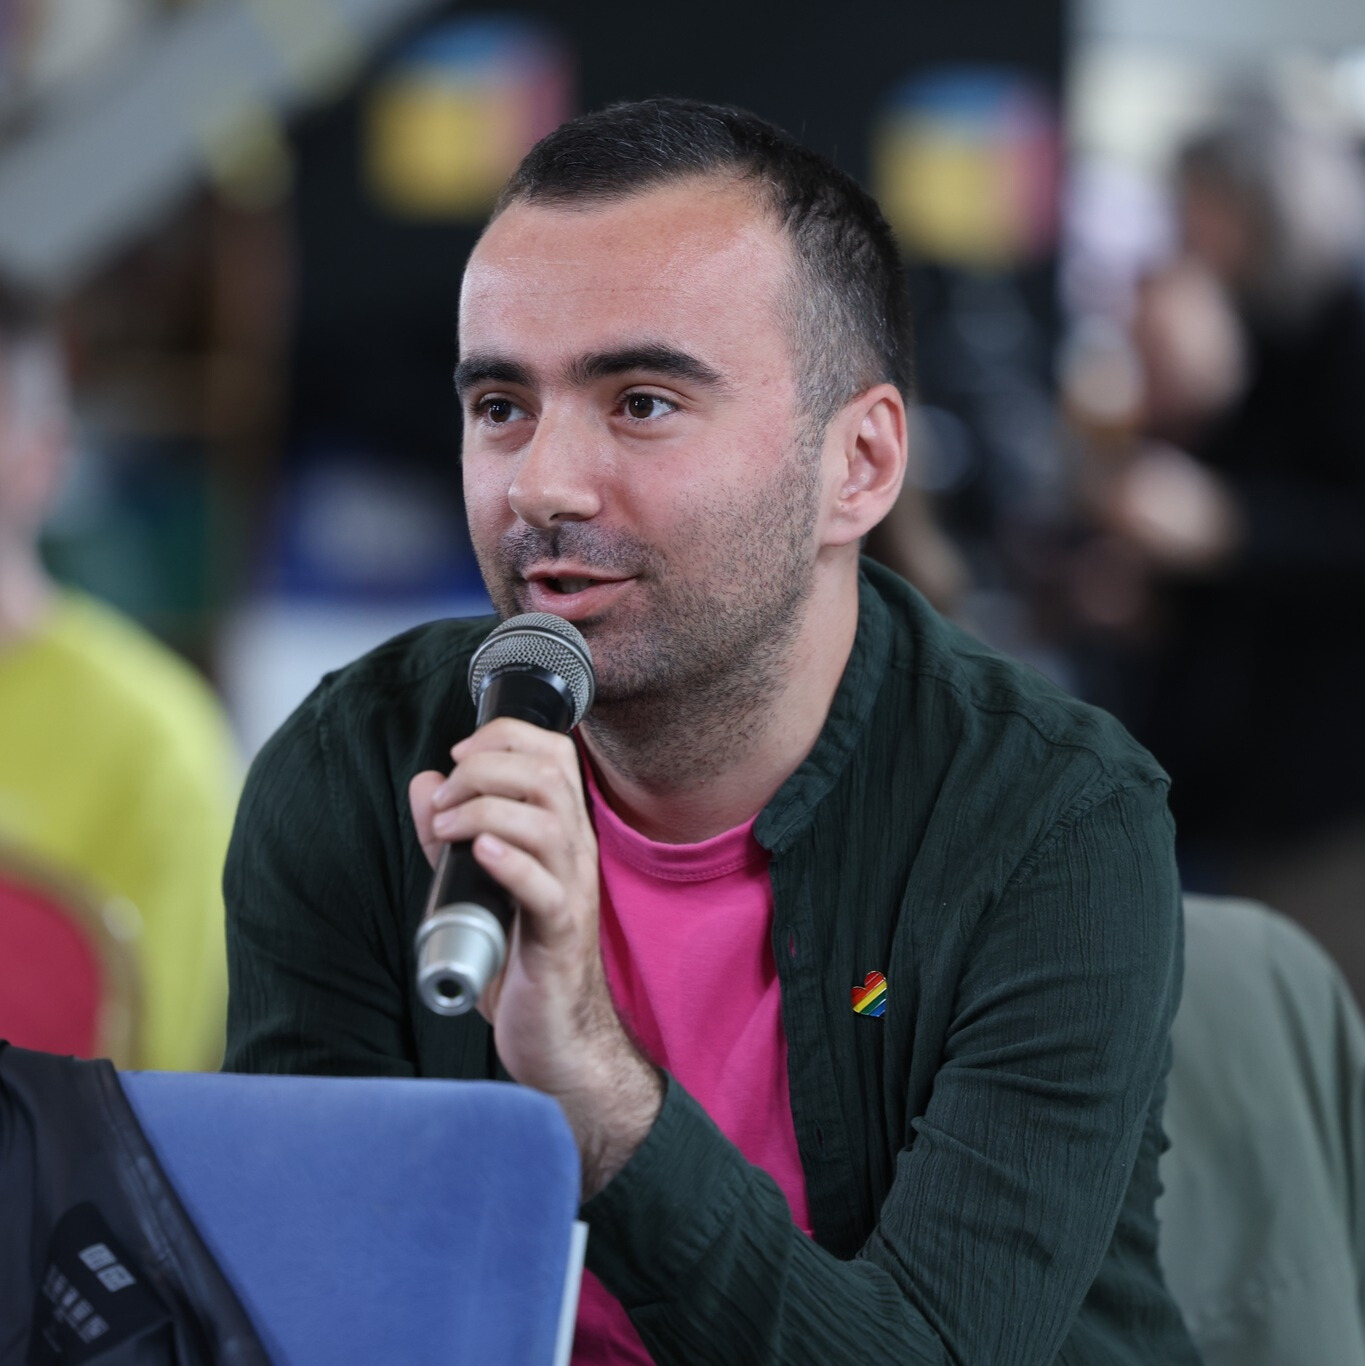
{"x":559,"y":918}
{"x":480,"y":812}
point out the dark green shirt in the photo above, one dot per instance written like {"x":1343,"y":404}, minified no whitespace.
{"x":980,"y":1161}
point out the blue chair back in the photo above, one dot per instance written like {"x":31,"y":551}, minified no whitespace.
{"x":376,"y":1220}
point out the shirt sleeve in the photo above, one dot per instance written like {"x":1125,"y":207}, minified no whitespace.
{"x":314,"y":960}
{"x":1007,"y":1195}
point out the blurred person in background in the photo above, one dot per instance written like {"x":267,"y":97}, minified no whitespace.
{"x":116,"y":761}
{"x":1240,"y":511}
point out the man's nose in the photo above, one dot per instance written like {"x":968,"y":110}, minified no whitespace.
{"x":558,"y":478}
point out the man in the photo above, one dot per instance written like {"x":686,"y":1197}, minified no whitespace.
{"x":116,"y":761}
{"x":684,"y":351}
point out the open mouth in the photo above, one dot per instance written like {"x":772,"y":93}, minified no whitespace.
{"x":567,"y":585}
{"x":575,"y":597}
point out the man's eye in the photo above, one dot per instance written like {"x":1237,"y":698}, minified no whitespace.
{"x":497,"y":410}
{"x":644,"y":406}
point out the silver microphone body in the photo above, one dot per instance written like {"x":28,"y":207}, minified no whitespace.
{"x":538,"y":668}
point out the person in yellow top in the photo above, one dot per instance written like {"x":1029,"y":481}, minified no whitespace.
{"x":117,"y":764}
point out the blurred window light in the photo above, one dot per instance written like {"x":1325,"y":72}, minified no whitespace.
{"x":965,"y":165}
{"x":1348,"y":81}
{"x":61,"y":39}
{"x":1119,"y":225}
{"x":447,"y":124}
{"x":1134,"y":104}
{"x":313,"y":41}
{"x":1224,"y":32}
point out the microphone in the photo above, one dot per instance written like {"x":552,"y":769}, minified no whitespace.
{"x":537,"y":668}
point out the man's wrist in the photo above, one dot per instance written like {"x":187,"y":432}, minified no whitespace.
{"x":612,"y":1116}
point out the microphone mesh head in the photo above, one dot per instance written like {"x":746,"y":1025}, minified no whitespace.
{"x":543,"y":641}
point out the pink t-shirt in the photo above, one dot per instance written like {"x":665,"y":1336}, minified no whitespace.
{"x":687,"y":945}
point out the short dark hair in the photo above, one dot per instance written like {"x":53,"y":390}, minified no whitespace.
{"x":851,"y":323}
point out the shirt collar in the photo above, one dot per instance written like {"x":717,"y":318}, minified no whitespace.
{"x":794,"y":803}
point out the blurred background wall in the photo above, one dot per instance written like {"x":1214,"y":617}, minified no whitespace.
{"x":257,"y":211}
{"x":254,"y":215}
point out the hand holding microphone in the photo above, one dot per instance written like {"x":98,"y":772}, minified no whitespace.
{"x":535,"y":668}
{"x":516,"y":793}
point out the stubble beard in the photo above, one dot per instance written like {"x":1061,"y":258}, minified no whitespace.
{"x":686,"y":680}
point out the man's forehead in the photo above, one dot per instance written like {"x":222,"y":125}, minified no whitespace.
{"x":682,"y":239}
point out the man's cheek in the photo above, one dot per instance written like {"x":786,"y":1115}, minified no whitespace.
{"x":486,"y":513}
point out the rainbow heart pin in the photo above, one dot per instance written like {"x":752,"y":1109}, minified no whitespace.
{"x":870,"y":998}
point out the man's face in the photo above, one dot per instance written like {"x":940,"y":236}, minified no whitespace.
{"x":632,"y":451}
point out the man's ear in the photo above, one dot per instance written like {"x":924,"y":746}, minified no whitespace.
{"x":865,"y":454}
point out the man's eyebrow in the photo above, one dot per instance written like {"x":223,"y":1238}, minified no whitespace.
{"x":474,"y":370}
{"x":652,"y":357}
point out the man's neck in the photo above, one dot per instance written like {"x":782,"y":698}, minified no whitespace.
{"x":682,"y":782}
{"x":26,"y":592}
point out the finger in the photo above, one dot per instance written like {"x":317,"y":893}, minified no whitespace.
{"x":562,"y":849}
{"x":545,"y":916}
{"x":487,"y":1004}
{"x":421,"y":791}
{"x":507,"y":732}
{"x":537,"y":778}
